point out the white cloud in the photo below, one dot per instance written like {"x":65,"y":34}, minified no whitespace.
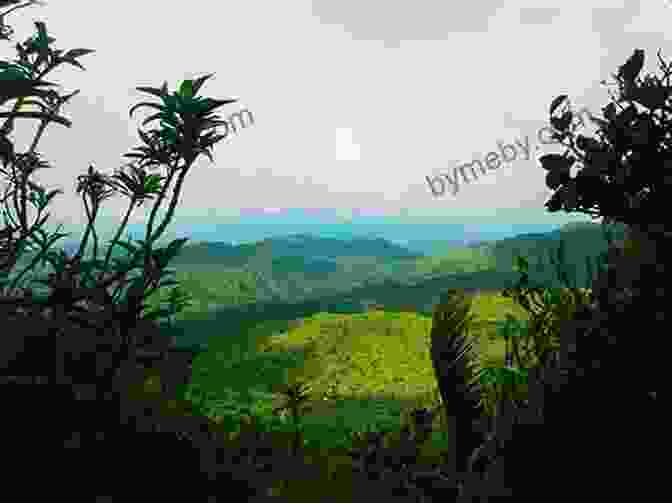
{"x":346,"y":150}
{"x":461,"y":77}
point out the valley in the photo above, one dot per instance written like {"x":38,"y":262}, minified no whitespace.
{"x":352,"y":319}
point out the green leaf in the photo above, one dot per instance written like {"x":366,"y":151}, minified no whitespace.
{"x":132,"y":250}
{"x":552,"y":296}
{"x":521,"y":264}
{"x":186,"y":89}
{"x":152,"y":184}
{"x":158,"y":313}
{"x":13,"y":74}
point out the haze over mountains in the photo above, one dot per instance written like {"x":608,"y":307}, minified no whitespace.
{"x":297,"y":245}
{"x":303,"y":267}
{"x":328,"y":247}
{"x":249,"y":229}
{"x":426,"y":238}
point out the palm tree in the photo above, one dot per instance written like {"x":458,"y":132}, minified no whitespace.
{"x":458,"y":384}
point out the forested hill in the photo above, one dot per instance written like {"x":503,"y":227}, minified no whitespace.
{"x":581,"y":240}
{"x":302,"y":267}
{"x":299,"y":245}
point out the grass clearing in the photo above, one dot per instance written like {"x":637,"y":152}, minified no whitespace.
{"x":366,"y":371}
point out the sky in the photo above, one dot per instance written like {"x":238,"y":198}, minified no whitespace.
{"x":354,"y":103}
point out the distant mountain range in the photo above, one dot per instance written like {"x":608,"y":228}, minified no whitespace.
{"x":306,"y":246}
{"x":303,"y":265}
{"x":582,"y":242}
{"x":304,"y":253}
{"x":438,"y":247}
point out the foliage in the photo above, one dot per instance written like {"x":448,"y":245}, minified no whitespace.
{"x":457,"y":381}
{"x":138,"y":187}
{"x":624,"y":174}
{"x":344,"y":359}
{"x":593,"y":369}
{"x":94,"y":347}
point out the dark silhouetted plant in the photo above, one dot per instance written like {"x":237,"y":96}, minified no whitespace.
{"x":457,"y":379}
{"x":79,"y":334}
{"x":597,"y":409}
{"x":624,"y":174}
{"x":74,"y":280}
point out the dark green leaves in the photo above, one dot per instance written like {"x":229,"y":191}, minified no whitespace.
{"x":626,"y":160}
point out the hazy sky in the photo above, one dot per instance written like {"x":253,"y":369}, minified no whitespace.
{"x":354,"y":102}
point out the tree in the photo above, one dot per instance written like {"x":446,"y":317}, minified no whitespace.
{"x":625,"y":176}
{"x":624,"y":179}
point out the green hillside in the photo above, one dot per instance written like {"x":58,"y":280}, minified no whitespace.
{"x":276,"y":318}
{"x":581,"y":241}
{"x":349,"y":281}
{"x":377,"y":363}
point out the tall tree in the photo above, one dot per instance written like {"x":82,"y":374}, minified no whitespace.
{"x":626,"y":174}
{"x":604,"y":418}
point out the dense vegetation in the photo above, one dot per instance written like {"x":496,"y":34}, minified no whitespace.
{"x":236,"y":374}
{"x":226,"y":316}
{"x":364,"y":353}
{"x":318,"y":274}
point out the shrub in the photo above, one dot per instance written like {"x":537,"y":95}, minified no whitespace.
{"x":72,"y":356}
